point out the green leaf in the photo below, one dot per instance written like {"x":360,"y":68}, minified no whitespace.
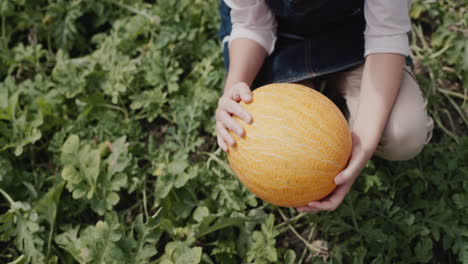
{"x":179,"y":164}
{"x":69,"y":149}
{"x":163,"y":186}
{"x":118,"y":159}
{"x":71,"y":243}
{"x":89,"y":164}
{"x":96,"y":243}
{"x":423,"y":250}
{"x":151,"y":103}
{"x":181,"y":179}
{"x":263,"y":248}
{"x":148,"y":234}
{"x":85,"y":176}
{"x":3,"y":97}
{"x":79,"y":191}
{"x":118,"y":181}
{"x":70,"y":174}
{"x":101,"y":241}
{"x":111,"y":200}
{"x":289,"y":257}
{"x":70,"y":75}
{"x":179,"y":252}
{"x":200,"y":213}
{"x":22,"y":223}
{"x":191,"y":256}
{"x":460,"y":200}
{"x":48,"y":205}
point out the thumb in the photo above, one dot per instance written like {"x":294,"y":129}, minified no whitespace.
{"x":342,"y":177}
{"x":346,"y":174}
{"x":357,"y":162}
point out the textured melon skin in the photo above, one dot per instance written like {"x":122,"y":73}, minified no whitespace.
{"x":296,"y":145}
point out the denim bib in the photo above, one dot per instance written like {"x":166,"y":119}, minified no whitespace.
{"x":314,"y":38}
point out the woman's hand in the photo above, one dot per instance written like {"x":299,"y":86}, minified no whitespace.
{"x":381,"y":80}
{"x":228,"y":105}
{"x":344,"y":180}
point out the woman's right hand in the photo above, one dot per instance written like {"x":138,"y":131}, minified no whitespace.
{"x":228,"y":105}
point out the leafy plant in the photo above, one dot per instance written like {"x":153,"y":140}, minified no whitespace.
{"x":87,"y":178}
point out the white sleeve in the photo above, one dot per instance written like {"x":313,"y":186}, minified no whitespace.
{"x":254,"y":20}
{"x":387,"y":24}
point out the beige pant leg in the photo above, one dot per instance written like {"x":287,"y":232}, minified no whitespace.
{"x":408,"y":128}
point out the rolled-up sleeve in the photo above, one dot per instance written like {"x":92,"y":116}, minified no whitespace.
{"x":254,"y":20}
{"x":387,"y":25}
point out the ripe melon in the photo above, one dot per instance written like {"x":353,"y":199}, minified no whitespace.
{"x":296,"y":145}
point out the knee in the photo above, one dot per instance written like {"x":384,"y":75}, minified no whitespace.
{"x":405,"y":142}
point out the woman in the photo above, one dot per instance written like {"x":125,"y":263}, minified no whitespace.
{"x":358,"y":48}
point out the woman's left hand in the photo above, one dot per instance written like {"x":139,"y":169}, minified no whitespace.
{"x":344,"y":180}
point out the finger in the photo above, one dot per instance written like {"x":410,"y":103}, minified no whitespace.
{"x":235,"y":95}
{"x":356,"y":162}
{"x":237,"y":110}
{"x":224,"y":134}
{"x":226,"y":120}
{"x":329,"y":205}
{"x":222,"y":144}
{"x":230,"y":123}
{"x":308,"y":209}
{"x":240,"y":91}
{"x":331,"y":202}
{"x":324,"y":206}
{"x":244,"y":92}
{"x":342,"y":177}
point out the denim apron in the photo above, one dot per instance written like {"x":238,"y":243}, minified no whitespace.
{"x":314,"y":38}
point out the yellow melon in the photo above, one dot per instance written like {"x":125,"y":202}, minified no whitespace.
{"x":296,"y":145}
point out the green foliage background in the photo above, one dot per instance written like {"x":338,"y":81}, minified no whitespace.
{"x":108,"y":152}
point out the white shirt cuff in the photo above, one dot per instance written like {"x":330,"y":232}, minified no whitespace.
{"x":253,"y":19}
{"x":387,"y":44}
